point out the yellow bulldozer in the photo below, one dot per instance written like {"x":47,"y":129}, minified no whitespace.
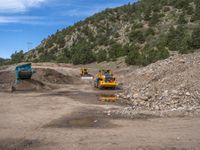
{"x":85,"y":74}
{"x":105,"y":79}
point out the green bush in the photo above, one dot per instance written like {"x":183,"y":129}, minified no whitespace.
{"x":196,"y":15}
{"x":195,"y":38}
{"x":152,"y":55}
{"x":116,"y":50}
{"x":182,"y":19}
{"x":137,"y":36}
{"x":176,"y":38}
{"x":154,"y":19}
{"x":101,"y":56}
{"x":64,"y":57}
{"x":17,"y":57}
{"x":147,"y":55}
{"x":47,"y":57}
{"x":83,"y":57}
{"x":134,"y":57}
{"x":149,"y":32}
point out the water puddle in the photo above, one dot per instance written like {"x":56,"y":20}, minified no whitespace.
{"x":102,"y":97}
{"x":84,"y":120}
{"x":108,"y":98}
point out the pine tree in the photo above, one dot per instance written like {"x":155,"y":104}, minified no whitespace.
{"x":195,"y":39}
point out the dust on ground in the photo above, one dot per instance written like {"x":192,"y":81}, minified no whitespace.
{"x":67,"y":113}
{"x":43,"y":79}
{"x":18,"y":144}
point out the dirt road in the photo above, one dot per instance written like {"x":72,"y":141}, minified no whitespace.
{"x":73,"y":118}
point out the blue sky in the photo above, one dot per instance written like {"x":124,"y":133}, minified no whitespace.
{"x":25,"y":23}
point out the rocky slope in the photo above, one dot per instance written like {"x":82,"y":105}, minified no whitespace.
{"x":171,"y":84}
{"x":144,"y":26}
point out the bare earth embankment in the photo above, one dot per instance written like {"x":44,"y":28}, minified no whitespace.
{"x":158,"y":108}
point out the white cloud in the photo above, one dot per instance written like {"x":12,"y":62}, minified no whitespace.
{"x":31,"y":20}
{"x":10,"y":6}
{"x":85,"y":11}
{"x":20,"y":19}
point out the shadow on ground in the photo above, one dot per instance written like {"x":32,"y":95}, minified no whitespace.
{"x":19,"y":144}
{"x":92,"y":118}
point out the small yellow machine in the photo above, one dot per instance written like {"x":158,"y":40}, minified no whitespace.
{"x":105,"y":79}
{"x":85,"y":75}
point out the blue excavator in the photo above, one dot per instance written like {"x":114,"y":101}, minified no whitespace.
{"x":22,"y":72}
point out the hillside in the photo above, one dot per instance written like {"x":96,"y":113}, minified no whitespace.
{"x":2,"y":61}
{"x":145,"y":32}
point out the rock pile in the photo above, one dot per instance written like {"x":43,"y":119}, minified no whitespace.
{"x":169,"y":84}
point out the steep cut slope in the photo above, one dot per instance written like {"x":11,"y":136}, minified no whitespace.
{"x":145,"y":31}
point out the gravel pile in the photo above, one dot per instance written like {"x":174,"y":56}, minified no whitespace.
{"x":171,"y":84}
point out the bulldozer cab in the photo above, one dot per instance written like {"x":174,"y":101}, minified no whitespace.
{"x":84,"y":71}
{"x":105,"y":72}
{"x":85,"y":75}
{"x":105,"y":79}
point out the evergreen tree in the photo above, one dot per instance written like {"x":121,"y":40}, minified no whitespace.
{"x":176,"y":38}
{"x":17,"y":57}
{"x":195,"y":39}
{"x":182,"y":19}
{"x":101,"y":56}
{"x":197,"y":11}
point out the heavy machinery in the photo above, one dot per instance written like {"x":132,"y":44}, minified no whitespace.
{"x":23,"y":72}
{"x":85,"y":75}
{"x":105,"y":79}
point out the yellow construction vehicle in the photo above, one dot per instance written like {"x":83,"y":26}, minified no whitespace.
{"x":84,"y":71}
{"x":85,"y":75}
{"x":105,"y":79}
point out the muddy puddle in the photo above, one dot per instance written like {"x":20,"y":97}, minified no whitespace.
{"x":112,"y":98}
{"x":104,"y":97}
{"x":83,"y":119}
{"x":94,"y":118}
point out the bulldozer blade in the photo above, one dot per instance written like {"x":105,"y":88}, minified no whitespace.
{"x":87,"y":78}
{"x":108,"y":98}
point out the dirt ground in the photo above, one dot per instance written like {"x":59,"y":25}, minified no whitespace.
{"x":74,"y":117}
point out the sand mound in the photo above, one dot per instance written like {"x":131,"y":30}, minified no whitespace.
{"x":52,"y":76}
{"x":42,"y":79}
{"x":7,"y":78}
{"x":30,"y":85}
